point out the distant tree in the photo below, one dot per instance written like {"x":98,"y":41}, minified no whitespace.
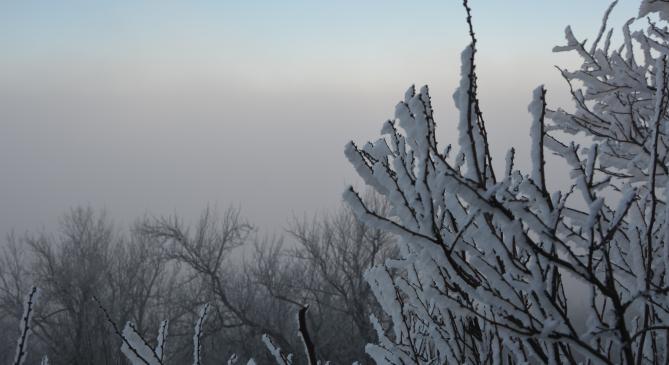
{"x":71,"y":268}
{"x":485,"y":254}
{"x":101,"y":285}
{"x":255,"y":296}
{"x":88,"y":258}
{"x":210,"y":253}
{"x":325,"y":269}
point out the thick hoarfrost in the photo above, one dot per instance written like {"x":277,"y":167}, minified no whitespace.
{"x":486,"y":264}
{"x":138,"y":351}
{"x":25,"y":329}
{"x":654,"y":6}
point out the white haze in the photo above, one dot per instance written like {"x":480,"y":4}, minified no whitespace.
{"x":176,"y":126}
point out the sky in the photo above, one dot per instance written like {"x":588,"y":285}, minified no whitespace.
{"x":164,"y":107}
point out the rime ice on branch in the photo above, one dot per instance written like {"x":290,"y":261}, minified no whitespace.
{"x":483,"y":264}
{"x":25,"y":326}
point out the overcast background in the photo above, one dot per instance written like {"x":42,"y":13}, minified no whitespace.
{"x":164,"y":107}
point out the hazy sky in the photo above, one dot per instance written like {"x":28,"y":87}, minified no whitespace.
{"x":164,"y":106}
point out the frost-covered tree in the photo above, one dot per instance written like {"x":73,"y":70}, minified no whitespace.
{"x":485,"y":254}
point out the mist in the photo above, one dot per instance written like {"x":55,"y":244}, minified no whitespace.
{"x":164,"y":107}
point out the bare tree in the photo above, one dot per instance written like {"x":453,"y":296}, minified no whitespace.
{"x":212,"y":253}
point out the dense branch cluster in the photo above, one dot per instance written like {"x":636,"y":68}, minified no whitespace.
{"x":486,"y":258}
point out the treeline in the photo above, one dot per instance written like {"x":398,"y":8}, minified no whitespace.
{"x":162,"y":269}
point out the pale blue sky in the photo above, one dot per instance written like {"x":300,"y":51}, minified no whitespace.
{"x":165,"y":106}
{"x":212,"y":35}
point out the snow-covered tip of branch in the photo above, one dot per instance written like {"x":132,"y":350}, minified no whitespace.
{"x":136,"y":349}
{"x":274,"y":349}
{"x":25,"y":329}
{"x":661,"y":7}
{"x":197,"y":336}
{"x":537,"y":109}
{"x":160,"y":341}
{"x":233,"y":359}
